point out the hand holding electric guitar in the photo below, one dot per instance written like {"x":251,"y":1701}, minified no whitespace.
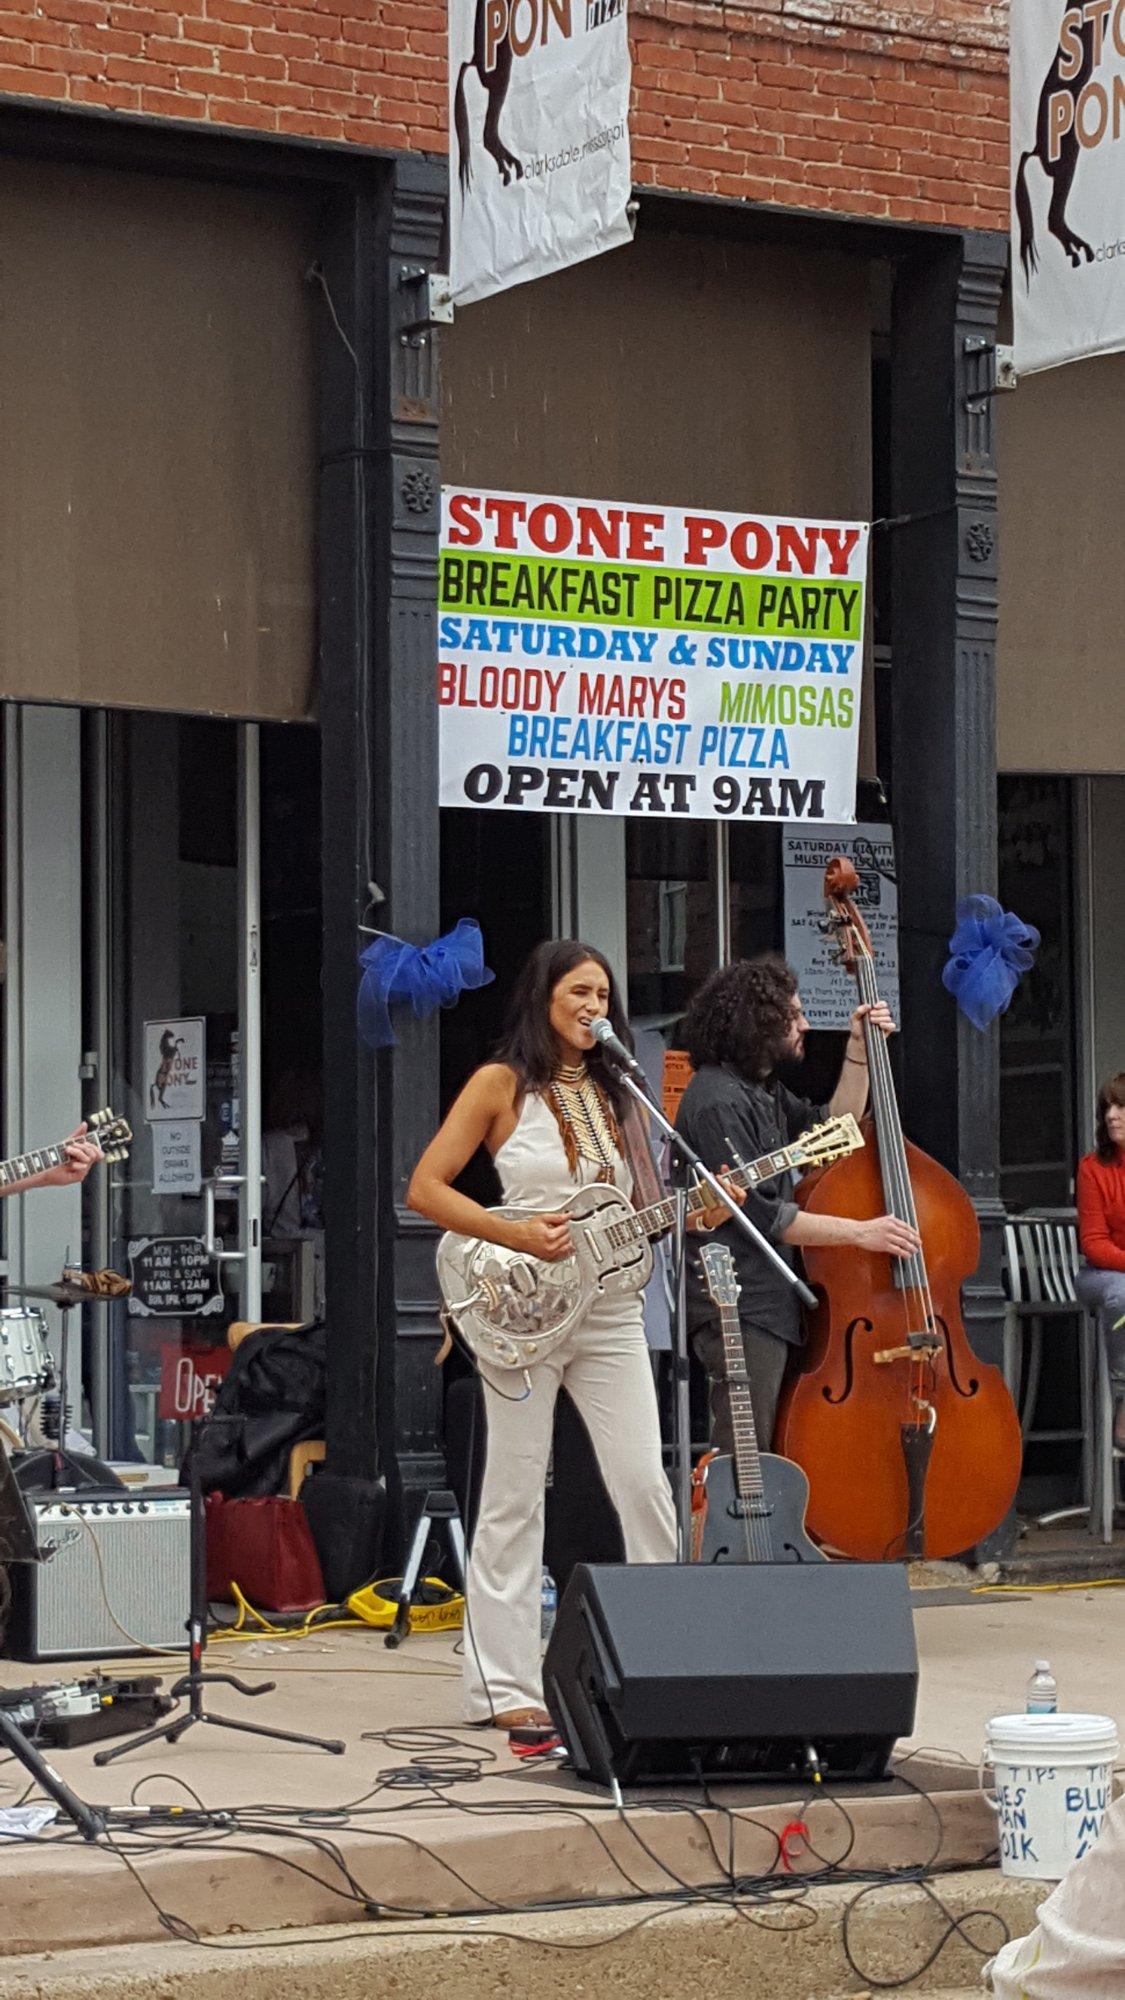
{"x":103,"y":1136}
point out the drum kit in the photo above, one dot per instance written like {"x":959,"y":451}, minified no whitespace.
{"x":27,"y":1371}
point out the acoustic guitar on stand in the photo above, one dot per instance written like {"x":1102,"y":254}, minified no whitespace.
{"x":749,"y":1507}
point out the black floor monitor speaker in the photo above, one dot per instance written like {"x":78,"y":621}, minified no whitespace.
{"x":658,"y":1673}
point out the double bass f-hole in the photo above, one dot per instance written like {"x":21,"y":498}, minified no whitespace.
{"x":828,"y":1392}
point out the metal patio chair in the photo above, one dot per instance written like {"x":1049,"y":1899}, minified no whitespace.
{"x":1041,"y":1257}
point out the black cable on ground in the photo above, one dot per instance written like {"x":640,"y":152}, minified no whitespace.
{"x":439,"y":1762}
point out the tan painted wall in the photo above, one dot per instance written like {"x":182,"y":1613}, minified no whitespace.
{"x":680,"y":370}
{"x":1061,"y":666}
{"x":159,"y":443}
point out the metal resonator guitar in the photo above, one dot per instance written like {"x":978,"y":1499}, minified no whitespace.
{"x":511,"y":1309}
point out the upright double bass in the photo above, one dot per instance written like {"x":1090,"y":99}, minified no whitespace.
{"x":910,"y":1444}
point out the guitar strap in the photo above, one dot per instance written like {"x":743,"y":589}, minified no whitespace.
{"x":648,"y":1188}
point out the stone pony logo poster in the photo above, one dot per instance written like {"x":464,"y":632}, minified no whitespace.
{"x":1068,"y":180}
{"x":540,"y":171}
{"x":645,"y":660}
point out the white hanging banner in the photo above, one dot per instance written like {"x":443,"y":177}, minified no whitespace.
{"x":1068,"y":180}
{"x":540,"y":174}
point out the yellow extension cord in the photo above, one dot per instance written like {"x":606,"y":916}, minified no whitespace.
{"x":368,"y":1607}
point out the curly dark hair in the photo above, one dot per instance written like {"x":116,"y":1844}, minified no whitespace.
{"x":528,"y":1044}
{"x":1111,"y":1092}
{"x":741,"y":1015}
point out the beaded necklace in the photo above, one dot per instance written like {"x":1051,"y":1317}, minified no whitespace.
{"x":585,"y":1120}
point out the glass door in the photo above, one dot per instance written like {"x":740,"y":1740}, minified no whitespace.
{"x":176,"y":1027}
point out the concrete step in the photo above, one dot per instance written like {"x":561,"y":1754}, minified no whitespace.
{"x":645,"y":1952}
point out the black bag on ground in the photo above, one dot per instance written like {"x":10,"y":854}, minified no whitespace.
{"x":272,"y":1399}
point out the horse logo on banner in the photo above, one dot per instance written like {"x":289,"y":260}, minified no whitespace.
{"x":1068,"y":114}
{"x":557,"y":72}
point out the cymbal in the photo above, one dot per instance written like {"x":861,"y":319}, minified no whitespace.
{"x":74,"y":1294}
{"x":57,"y":1295}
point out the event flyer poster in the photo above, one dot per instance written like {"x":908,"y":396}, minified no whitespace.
{"x":600,"y":657}
{"x":811,"y":944}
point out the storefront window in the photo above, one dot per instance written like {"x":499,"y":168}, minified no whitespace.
{"x":755,"y":921}
{"x":672,"y":916}
{"x":211,"y":906}
{"x":1037,"y":1122}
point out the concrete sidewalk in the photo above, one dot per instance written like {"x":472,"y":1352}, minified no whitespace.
{"x":793,"y":1952}
{"x":491,"y":1833}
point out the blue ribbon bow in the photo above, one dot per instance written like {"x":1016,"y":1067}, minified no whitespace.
{"x":428,"y":976}
{"x":989,"y":952}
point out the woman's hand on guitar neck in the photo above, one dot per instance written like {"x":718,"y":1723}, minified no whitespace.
{"x":545,"y":1236}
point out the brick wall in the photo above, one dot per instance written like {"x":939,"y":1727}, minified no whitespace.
{"x":850,"y":105}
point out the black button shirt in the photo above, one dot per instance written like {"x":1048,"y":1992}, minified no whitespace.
{"x":721,"y":1115}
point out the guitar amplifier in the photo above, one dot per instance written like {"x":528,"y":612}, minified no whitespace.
{"x":103,"y":1552}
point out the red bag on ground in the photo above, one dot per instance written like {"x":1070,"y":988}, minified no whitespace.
{"x":265,"y":1546}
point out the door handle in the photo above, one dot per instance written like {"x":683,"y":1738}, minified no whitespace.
{"x":210,"y":1241}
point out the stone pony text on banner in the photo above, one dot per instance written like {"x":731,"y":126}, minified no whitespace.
{"x":647,"y":660}
{"x":540,"y":167}
{"x":1068,"y":180}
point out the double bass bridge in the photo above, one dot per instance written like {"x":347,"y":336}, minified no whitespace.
{"x":916,"y":1347}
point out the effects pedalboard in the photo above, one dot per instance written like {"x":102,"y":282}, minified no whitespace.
{"x":66,"y":1713}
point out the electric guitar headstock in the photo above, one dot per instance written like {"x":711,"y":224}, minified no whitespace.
{"x":113,"y":1135}
{"x":822,"y":1144}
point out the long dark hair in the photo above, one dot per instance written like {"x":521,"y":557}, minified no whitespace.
{"x":528,"y":1043}
{"x":741,"y":1015}
{"x":1111,"y":1092}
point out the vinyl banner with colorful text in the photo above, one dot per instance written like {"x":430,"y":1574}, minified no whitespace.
{"x":659,"y":661}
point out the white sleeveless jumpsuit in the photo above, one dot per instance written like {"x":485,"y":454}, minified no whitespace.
{"x":605,"y":1366}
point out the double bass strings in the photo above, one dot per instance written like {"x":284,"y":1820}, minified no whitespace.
{"x":899,"y":1191}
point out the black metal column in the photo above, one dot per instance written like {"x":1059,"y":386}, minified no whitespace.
{"x":407,"y":832}
{"x":378,"y":523}
{"x":944,"y":754}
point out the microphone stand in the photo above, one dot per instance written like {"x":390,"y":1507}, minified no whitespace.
{"x":632,"y":1076}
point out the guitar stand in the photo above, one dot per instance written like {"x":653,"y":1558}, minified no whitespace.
{"x":90,"y":1824}
{"x":195,"y":1680}
{"x":438,"y":1507}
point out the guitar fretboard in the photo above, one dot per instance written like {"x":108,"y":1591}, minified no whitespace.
{"x":662,"y":1214}
{"x":23,"y":1165}
{"x":747,"y":1459}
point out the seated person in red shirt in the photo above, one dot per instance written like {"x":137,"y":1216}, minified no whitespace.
{"x":1101,"y":1231}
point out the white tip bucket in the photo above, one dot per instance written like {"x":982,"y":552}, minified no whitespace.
{"x":1054,"y":1779}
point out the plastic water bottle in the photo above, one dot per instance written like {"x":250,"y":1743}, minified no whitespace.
{"x":1042,"y":1690}
{"x":548,"y":1604}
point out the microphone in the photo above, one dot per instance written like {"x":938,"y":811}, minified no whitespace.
{"x":614,"y":1046}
